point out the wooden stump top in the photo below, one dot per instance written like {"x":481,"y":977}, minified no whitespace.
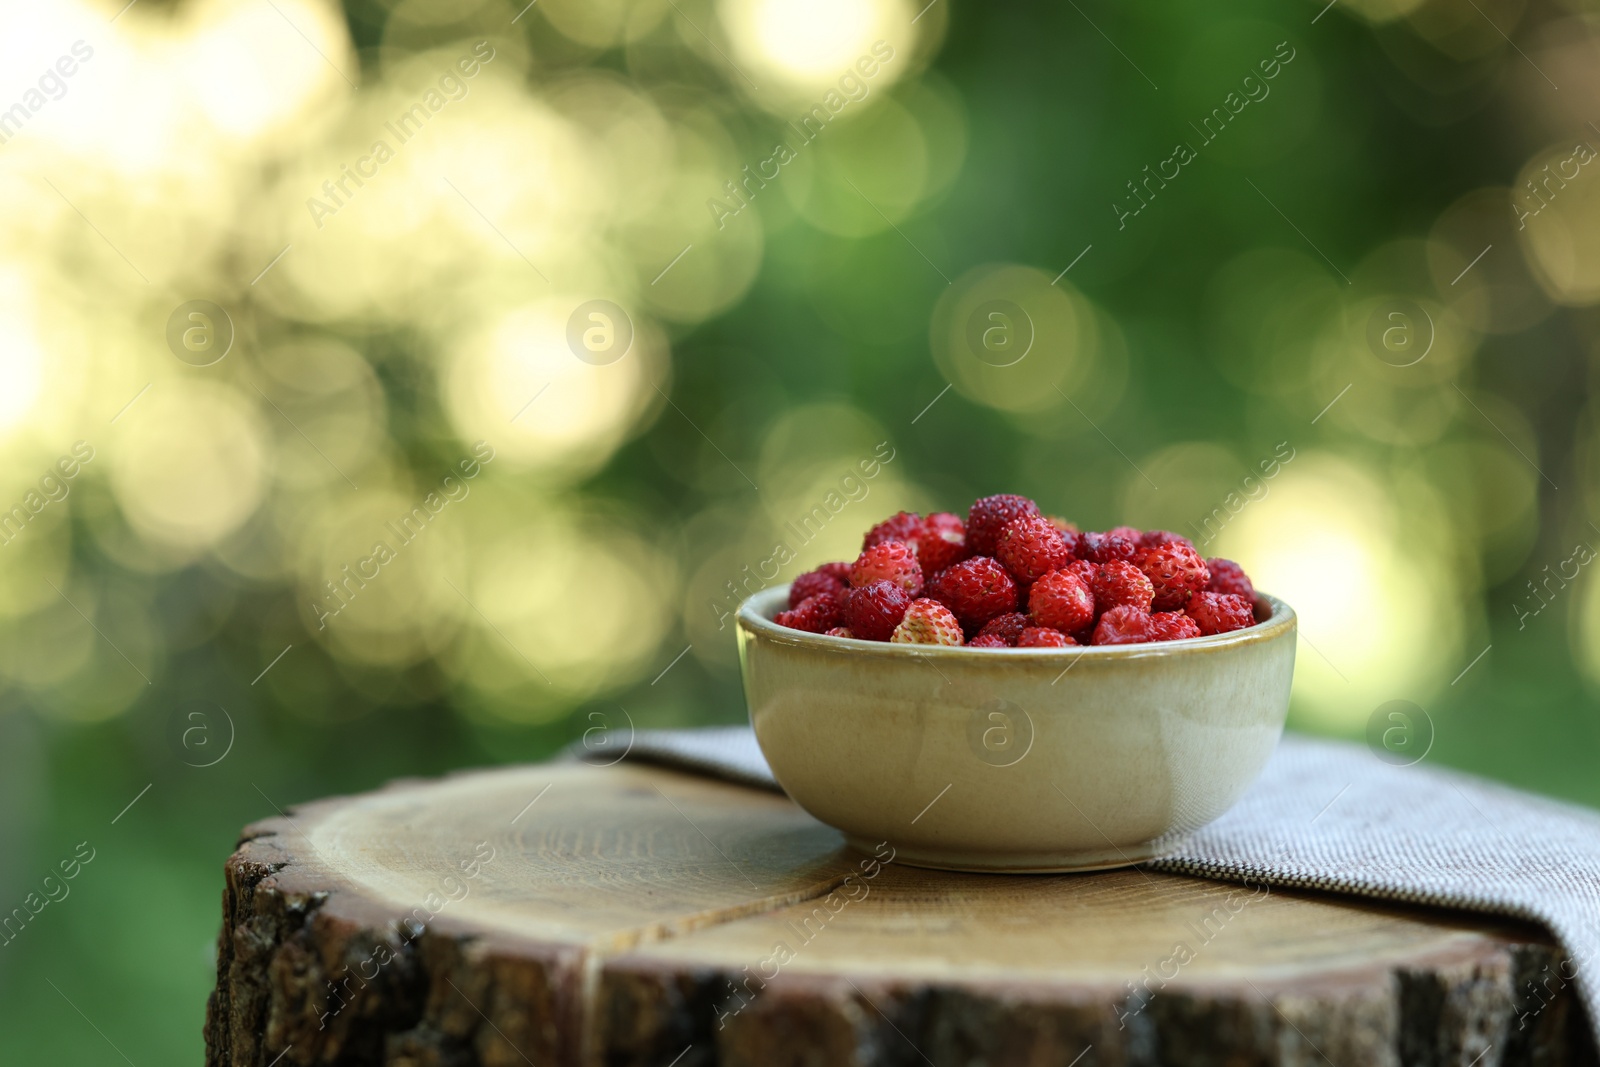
{"x":562,"y":914}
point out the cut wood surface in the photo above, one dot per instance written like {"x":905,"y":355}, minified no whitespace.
{"x":562,"y":914}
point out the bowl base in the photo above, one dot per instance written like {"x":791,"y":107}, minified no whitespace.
{"x":1065,"y":862}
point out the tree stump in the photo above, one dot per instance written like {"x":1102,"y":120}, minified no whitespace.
{"x":563,"y":914}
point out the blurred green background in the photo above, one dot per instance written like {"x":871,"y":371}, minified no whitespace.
{"x":1363,"y":236}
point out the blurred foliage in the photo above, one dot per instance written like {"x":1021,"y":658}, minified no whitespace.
{"x":424,"y":509}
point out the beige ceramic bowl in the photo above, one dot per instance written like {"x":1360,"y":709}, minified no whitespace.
{"x":1015,"y":759}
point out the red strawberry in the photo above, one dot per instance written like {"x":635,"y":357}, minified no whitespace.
{"x":976,"y":589}
{"x":988,"y":641}
{"x":927,"y":622}
{"x":1152,"y":538}
{"x":1031,"y":547}
{"x":1120,"y":583}
{"x":1063,"y":525}
{"x":1062,"y":601}
{"x":1043,"y":637}
{"x":1177,"y":572}
{"x":1172,"y":626}
{"x":1105,"y":547}
{"x":893,"y":561}
{"x":1228,"y":577}
{"x":1083,"y":569}
{"x":1129,"y":534}
{"x":1007,"y":627}
{"x":901,"y":526}
{"x":873,"y":611}
{"x":1074,"y":541}
{"x":810,"y":584}
{"x":816,"y":614}
{"x":1123,"y":626}
{"x":840,"y":571}
{"x":989,"y":515}
{"x":941,"y":542}
{"x":1220,"y":613}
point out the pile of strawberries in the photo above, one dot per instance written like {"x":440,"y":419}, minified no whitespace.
{"x":1010,"y":577}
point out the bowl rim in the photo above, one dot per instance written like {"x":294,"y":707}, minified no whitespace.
{"x":755,"y":618}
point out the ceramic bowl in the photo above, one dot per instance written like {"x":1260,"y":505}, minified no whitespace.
{"x":1016,"y":759}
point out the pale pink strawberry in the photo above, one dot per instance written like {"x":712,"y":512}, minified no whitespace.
{"x":927,"y":622}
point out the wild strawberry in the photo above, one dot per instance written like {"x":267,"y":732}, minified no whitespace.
{"x":1220,"y":613}
{"x":1083,"y":569}
{"x":816,"y":614}
{"x":1130,"y":534}
{"x":1068,"y":530}
{"x":840,"y":631}
{"x":941,"y":542}
{"x":840,"y":571}
{"x":976,"y":589}
{"x":1123,"y":626}
{"x":1152,"y":538}
{"x":1228,"y":577}
{"x":1177,"y":572}
{"x":989,"y":515}
{"x":927,"y":622}
{"x":1105,"y":547}
{"x":1074,"y":542}
{"x":901,"y":526}
{"x":893,"y":561}
{"x":1043,"y":637}
{"x":988,"y":641}
{"x":810,"y":584}
{"x":1007,"y":627}
{"x":1120,"y":583}
{"x":1031,"y":547}
{"x":873,"y":611}
{"x":1061,"y":601}
{"x":1172,"y":626}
